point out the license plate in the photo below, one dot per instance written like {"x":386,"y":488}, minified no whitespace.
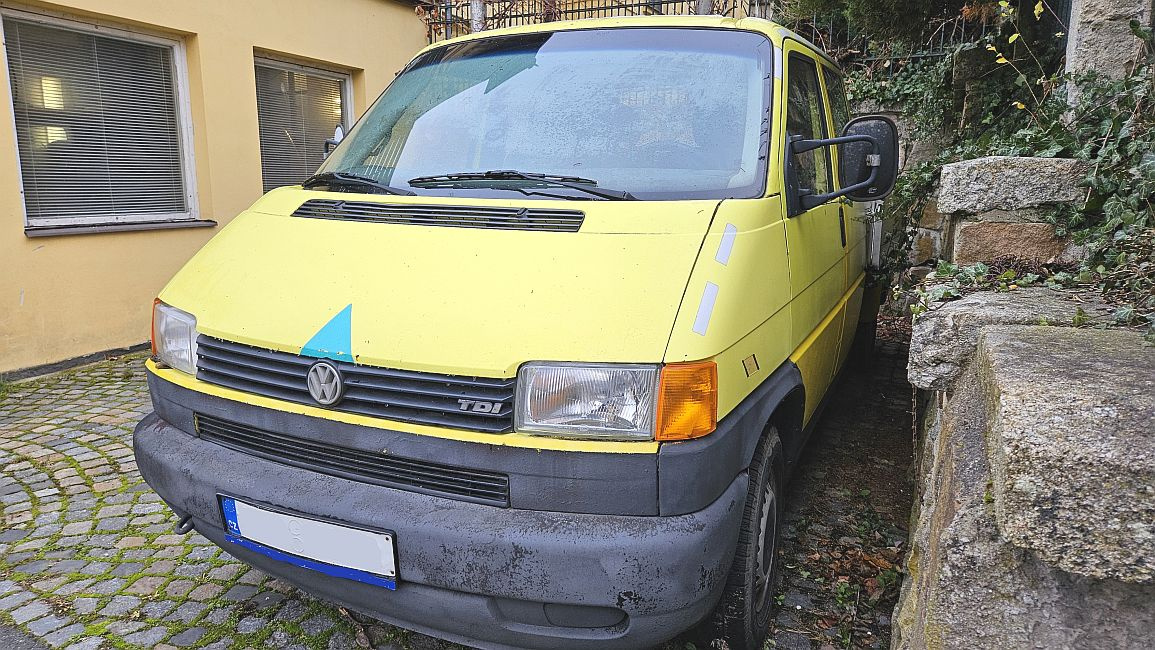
{"x":342,"y":551}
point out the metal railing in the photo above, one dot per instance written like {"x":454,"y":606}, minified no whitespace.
{"x":944,"y":36}
{"x":450,"y":18}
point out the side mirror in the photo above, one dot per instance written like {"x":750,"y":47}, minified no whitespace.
{"x":867,"y":161}
{"x":855,"y":158}
{"x":338,"y":136}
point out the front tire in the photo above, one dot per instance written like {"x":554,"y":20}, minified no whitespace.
{"x":742,"y":617}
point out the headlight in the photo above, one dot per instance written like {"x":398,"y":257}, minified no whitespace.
{"x":587,"y":400}
{"x":174,"y":337}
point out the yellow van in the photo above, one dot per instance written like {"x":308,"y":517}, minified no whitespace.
{"x":527,"y":361}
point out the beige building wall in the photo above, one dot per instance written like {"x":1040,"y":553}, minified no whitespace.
{"x":67,"y":296}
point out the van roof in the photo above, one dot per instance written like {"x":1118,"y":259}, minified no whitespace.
{"x":775,"y":31}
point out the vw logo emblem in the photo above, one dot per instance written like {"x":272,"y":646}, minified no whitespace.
{"x":325,"y":383}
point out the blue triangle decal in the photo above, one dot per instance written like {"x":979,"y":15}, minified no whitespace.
{"x":334,"y":340}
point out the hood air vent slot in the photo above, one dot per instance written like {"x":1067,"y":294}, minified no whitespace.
{"x":454,"y":216}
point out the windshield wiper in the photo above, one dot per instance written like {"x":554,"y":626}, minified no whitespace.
{"x":352,"y":180}
{"x":587,"y":185}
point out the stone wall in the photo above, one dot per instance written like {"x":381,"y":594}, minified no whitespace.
{"x":989,"y":207}
{"x":1035,"y":522}
{"x":995,"y":206}
{"x":1099,"y":37}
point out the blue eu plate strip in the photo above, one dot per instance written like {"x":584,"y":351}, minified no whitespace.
{"x":233,"y":534}
{"x":230,"y":509}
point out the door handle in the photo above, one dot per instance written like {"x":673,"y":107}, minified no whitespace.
{"x":842,"y":224}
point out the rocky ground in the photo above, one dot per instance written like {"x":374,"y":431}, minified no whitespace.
{"x":88,"y":558}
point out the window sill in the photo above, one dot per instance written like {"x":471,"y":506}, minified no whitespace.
{"x":89,"y":229}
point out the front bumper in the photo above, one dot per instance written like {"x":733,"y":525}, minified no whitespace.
{"x":476,"y":574}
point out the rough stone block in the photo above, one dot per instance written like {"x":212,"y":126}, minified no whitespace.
{"x":1025,"y":215}
{"x":921,"y":149}
{"x":970,"y":62}
{"x":1008,"y":183}
{"x":968,"y":586}
{"x":62,"y":636}
{"x":30,"y":611}
{"x":927,"y":246}
{"x":1073,"y":464}
{"x":146,"y":585}
{"x":43,"y":626}
{"x":944,"y":338}
{"x":980,"y":241}
{"x":932,"y":218}
{"x":149,"y":637}
{"x":1100,"y":35}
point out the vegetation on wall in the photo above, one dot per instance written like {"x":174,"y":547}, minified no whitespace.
{"x":1021,"y":104}
{"x":874,"y":17}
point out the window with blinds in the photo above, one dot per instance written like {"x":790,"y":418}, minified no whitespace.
{"x":97,"y":126}
{"x":298,"y":110}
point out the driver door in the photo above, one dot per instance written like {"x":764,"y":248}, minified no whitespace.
{"x":814,"y":237}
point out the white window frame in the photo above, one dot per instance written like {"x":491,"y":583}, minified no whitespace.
{"x":183,"y":109}
{"x":345,"y":78}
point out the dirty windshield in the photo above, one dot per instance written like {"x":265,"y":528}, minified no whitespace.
{"x":662,"y":114}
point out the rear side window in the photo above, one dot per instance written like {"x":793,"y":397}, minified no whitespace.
{"x":805,"y":116}
{"x":839,"y":109}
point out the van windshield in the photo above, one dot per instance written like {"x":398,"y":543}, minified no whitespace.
{"x":662,"y":114}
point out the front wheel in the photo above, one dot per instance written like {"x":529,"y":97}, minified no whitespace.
{"x":742,"y":617}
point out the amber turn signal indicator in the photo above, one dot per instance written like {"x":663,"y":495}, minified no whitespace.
{"x":152,"y":329}
{"x":687,"y":400}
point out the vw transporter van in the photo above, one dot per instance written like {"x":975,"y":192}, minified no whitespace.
{"x":527,"y":361}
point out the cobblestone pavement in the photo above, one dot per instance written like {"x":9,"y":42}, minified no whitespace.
{"x":88,"y":558}
{"x":87,"y":554}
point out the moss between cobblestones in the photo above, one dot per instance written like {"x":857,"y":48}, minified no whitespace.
{"x":66,"y":458}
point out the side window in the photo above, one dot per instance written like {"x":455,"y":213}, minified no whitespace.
{"x":839,"y":109}
{"x":805,"y":117}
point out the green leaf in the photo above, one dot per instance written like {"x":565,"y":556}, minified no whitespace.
{"x":945,"y":269}
{"x":1124,"y":315}
{"x":1141,"y":31}
{"x":1081,"y":317}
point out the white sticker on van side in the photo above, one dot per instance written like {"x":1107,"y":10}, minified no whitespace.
{"x":705,"y":308}
{"x":726,"y":246}
{"x":777,"y":63}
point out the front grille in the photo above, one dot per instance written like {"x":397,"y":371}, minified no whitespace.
{"x":400,"y":395}
{"x":391,"y":471}
{"x":544,"y":219}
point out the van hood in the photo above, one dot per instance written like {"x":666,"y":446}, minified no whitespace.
{"x":452,"y":300}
